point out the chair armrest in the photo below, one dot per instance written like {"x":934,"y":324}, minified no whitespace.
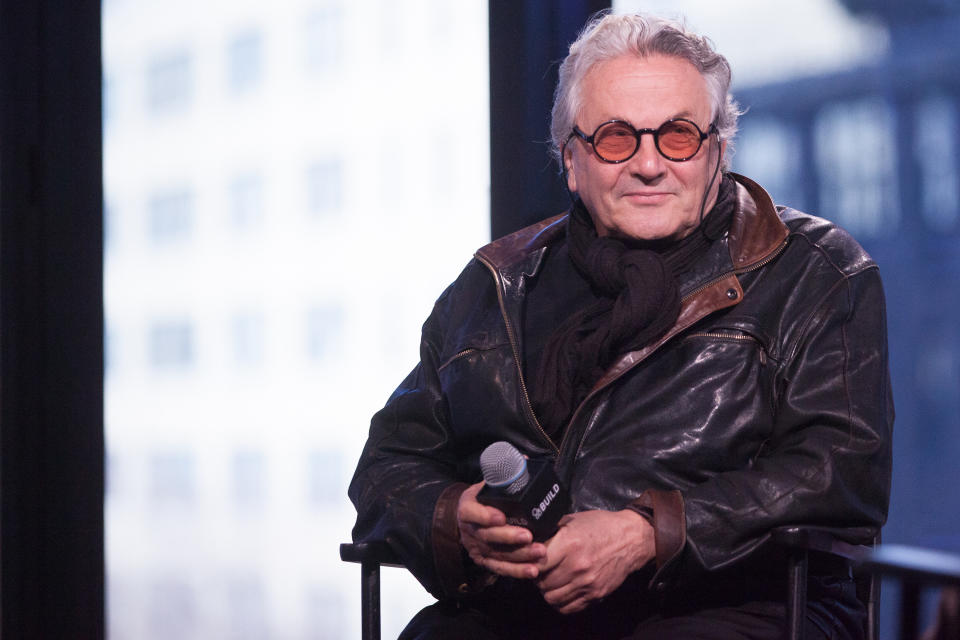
{"x":915,"y":564}
{"x":370,"y":556}
{"x":826,"y":539}
{"x":798,"y":541}
{"x":378,"y":552}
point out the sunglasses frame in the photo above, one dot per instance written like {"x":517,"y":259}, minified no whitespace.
{"x":638,"y":134}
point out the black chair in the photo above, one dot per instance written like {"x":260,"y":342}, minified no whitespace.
{"x":798,"y":541}
{"x":371,"y":556}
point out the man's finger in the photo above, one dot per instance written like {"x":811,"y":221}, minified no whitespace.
{"x":523,"y":571}
{"x":574,"y":607}
{"x":505,"y":535}
{"x":469,"y":510}
{"x":566,"y":599}
{"x":558,"y":596}
{"x":480,"y":515}
{"x":551,"y":580}
{"x":556,"y":552}
{"x":525,"y":554}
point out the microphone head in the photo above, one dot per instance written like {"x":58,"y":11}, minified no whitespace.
{"x":504,"y":468}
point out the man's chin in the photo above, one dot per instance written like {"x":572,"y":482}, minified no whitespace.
{"x":652,"y":233}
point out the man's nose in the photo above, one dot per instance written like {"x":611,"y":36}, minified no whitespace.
{"x":647,"y":162}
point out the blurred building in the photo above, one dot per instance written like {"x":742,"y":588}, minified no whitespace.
{"x":277,"y":179}
{"x":875,"y":148}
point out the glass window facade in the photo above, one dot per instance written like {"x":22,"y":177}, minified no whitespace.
{"x":169,"y":82}
{"x":855,"y":150}
{"x":935,"y":149}
{"x":170,"y":216}
{"x":276,"y":240}
{"x":245,"y":65}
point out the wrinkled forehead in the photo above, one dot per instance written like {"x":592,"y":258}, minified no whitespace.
{"x":643,"y":90}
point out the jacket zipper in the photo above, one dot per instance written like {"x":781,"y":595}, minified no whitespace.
{"x":722,"y":336}
{"x":737,"y":337}
{"x":457,"y":356}
{"x":511,"y":335}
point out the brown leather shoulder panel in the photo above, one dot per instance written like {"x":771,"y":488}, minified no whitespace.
{"x":719,"y":295}
{"x":756,"y":230}
{"x":518,"y":244}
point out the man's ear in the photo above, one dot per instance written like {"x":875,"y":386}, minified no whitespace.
{"x":568,"y":171}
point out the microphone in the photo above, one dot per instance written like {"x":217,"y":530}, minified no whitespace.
{"x":527,"y":491}
{"x":504,"y":468}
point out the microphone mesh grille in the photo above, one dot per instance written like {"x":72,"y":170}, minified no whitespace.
{"x":501,"y":464}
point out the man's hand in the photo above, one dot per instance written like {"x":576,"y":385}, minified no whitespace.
{"x":591,"y":555}
{"x":492,"y":543}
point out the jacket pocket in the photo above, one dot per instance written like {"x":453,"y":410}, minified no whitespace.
{"x":731,"y":335}
{"x":463,"y":353}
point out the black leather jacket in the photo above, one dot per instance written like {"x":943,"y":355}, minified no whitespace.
{"x":768,"y":403}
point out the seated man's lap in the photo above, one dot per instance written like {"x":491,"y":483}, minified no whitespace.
{"x":627,"y":620}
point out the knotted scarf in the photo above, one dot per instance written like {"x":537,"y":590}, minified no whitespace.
{"x":638,"y":301}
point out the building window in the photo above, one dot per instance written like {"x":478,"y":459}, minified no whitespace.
{"x":857,"y":167}
{"x":170,"y":216}
{"x":172,"y":610}
{"x":767,"y":152}
{"x":169,"y":83}
{"x":245,"y":62}
{"x":247,"y":337}
{"x":323,"y":34}
{"x":246,"y":201}
{"x":246,"y":603}
{"x":935,"y":123}
{"x":172,"y":478}
{"x":326,"y":609}
{"x":938,"y":366}
{"x":247,"y":469}
{"x":325,"y":480}
{"x":325,"y":186}
{"x":171,"y":344}
{"x":325,"y":326}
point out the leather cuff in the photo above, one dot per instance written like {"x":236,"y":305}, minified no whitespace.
{"x":458,"y":576}
{"x":664,"y":511}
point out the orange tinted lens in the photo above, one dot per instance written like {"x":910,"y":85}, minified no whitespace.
{"x":678,"y":139}
{"x":615,"y":141}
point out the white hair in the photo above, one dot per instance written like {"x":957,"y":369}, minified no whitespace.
{"x":608,"y":36}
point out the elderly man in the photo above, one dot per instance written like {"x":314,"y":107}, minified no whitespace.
{"x":699,"y":366}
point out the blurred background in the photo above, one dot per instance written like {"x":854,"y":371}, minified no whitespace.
{"x":289,"y":185}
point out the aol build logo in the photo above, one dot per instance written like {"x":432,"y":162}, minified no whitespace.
{"x":537,"y":511}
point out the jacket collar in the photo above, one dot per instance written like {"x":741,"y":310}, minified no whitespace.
{"x":756,"y":231}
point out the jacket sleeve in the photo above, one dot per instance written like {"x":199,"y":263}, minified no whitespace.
{"x":827,"y":461}
{"x":406,"y":486}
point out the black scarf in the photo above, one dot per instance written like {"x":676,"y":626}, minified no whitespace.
{"x":639,"y":300}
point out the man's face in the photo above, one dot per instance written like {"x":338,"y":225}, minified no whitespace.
{"x":647,"y":197}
